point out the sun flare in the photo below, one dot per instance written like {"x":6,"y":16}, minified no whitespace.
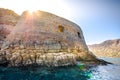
{"x":31,"y":11}
{"x":58,"y":7}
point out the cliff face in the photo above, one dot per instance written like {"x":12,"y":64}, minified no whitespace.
{"x":45,"y":28}
{"x":109,"y":48}
{"x":8,"y":17}
{"x":8,"y":20}
{"x":44,"y":39}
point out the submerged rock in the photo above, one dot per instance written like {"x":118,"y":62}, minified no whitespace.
{"x":45,"y":39}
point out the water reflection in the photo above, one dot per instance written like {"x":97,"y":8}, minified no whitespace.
{"x":109,"y":72}
{"x":79,"y":72}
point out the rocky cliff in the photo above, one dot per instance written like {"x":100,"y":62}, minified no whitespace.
{"x":109,"y":48}
{"x":44,"y":39}
{"x":8,"y":20}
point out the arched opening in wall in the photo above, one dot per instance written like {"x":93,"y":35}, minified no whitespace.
{"x":60,"y":28}
{"x":79,"y":35}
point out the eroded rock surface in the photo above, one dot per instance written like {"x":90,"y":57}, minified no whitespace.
{"x":44,"y":39}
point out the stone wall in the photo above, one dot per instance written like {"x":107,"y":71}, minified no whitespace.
{"x":44,"y":39}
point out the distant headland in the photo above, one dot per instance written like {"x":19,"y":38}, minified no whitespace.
{"x":108,"y":48}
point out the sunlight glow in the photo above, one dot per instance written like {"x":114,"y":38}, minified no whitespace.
{"x":30,"y":12}
{"x":58,"y":7}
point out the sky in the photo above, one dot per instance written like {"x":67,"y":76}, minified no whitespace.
{"x":98,"y":19}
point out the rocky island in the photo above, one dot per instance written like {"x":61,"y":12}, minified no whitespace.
{"x":41,"y":38}
{"x":108,"y":48}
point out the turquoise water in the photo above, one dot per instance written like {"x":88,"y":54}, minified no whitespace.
{"x":80,"y":72}
{"x":61,"y":73}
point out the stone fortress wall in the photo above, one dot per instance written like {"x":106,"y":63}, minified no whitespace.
{"x":44,"y":39}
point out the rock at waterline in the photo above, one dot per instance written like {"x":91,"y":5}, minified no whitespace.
{"x":44,"y":39}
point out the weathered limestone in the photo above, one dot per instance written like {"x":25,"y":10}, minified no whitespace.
{"x":44,"y":39}
{"x":19,"y":58}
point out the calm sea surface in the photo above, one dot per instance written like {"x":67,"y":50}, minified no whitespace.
{"x":79,"y":72}
{"x":112,"y":60}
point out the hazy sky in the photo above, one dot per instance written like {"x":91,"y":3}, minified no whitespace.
{"x":99,"y":19}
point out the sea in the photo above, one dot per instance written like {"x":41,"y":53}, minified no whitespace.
{"x":78,"y":72}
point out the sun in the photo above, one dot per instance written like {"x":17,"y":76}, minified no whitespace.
{"x":31,"y":11}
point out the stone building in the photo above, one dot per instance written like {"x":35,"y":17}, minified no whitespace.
{"x":44,"y":39}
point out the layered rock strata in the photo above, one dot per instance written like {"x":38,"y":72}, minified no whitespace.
{"x":44,"y":39}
